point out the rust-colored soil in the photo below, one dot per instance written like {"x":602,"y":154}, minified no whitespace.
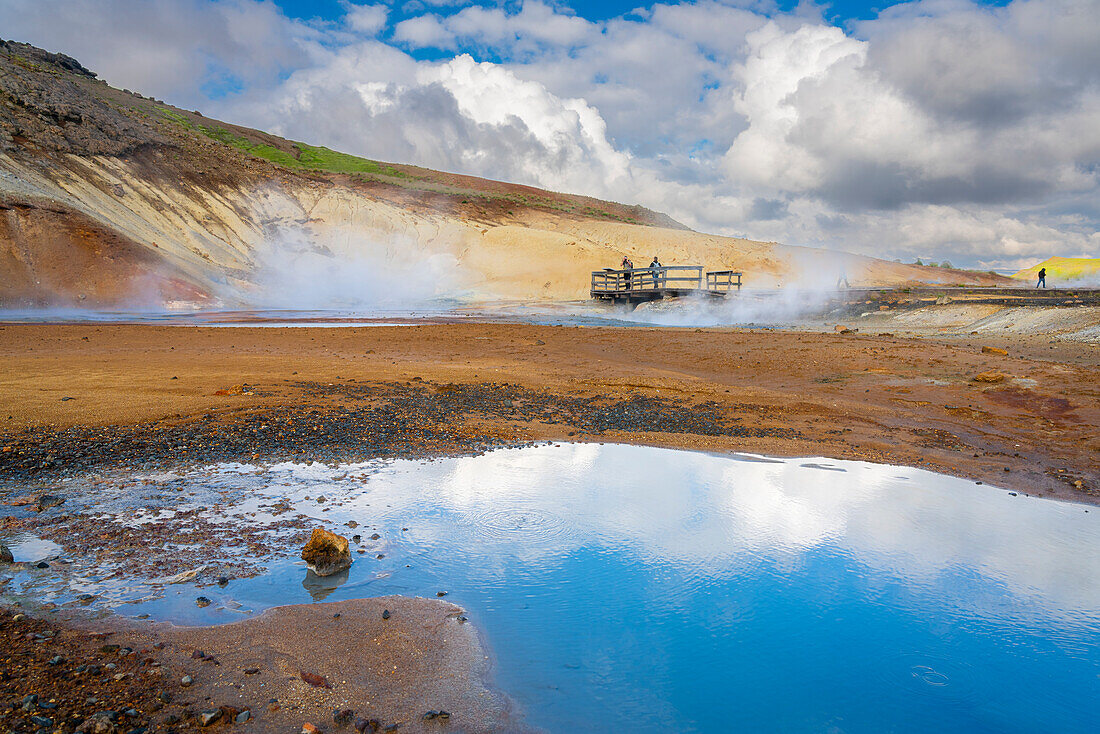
{"x":885,"y":399}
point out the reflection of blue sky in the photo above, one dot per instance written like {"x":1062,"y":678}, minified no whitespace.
{"x":695,"y":509}
{"x":635,"y":588}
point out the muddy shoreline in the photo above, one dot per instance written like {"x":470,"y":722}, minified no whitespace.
{"x":91,"y":396}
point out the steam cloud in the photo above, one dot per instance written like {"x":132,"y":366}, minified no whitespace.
{"x":300,"y":269}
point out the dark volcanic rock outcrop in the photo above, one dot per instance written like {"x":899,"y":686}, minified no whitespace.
{"x":44,"y":103}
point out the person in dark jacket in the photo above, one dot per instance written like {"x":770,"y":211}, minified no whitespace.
{"x":1042,"y":278}
{"x":627,"y":266}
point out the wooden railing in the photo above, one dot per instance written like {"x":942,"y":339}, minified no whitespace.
{"x":671,"y":277}
{"x":723,"y":281}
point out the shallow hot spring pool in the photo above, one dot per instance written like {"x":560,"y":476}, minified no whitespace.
{"x":624,"y":588}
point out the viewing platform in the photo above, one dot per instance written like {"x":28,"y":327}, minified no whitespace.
{"x":653,"y":284}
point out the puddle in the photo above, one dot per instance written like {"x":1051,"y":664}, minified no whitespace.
{"x":629,"y":588}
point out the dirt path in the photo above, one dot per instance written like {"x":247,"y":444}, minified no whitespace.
{"x":147,"y":390}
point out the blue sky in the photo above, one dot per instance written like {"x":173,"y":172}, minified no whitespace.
{"x":959,"y":130}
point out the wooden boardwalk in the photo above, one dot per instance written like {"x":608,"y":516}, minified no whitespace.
{"x":653,"y":284}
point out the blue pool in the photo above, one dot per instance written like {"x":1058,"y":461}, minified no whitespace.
{"x":636,"y":589}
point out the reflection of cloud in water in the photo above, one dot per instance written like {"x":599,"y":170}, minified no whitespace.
{"x":718,"y":515}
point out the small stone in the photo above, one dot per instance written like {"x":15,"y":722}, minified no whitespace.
{"x":206,"y":718}
{"x":361,"y":724}
{"x":171,"y":719}
{"x":41,"y":564}
{"x":308,"y":728}
{"x":994,"y":350}
{"x":110,"y":666}
{"x":5,"y":554}
{"x":990,"y":378}
{"x":342,"y":717}
{"x":42,"y":720}
{"x":186,"y":681}
{"x":223,"y":581}
{"x":1013,"y":494}
{"x":202,"y":601}
{"x":385,"y":614}
{"x":56,"y":660}
{"x":165,"y":697}
{"x":441,"y":593}
{"x":47,"y":501}
{"x":251,"y":671}
{"x":375,"y":536}
{"x":242,"y":717}
{"x":445,"y":715}
{"x":428,"y":715}
{"x":18,"y":617}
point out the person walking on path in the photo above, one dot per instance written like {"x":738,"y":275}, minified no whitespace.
{"x":1042,"y":278}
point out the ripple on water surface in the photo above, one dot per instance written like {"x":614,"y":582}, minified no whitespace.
{"x":627,"y":588}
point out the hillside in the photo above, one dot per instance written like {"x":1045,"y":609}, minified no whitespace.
{"x":111,"y":198}
{"x":1065,"y":270}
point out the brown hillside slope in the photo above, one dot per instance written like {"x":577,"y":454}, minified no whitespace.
{"x":108,"y":197}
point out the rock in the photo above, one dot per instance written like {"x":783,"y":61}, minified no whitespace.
{"x":990,"y":377}
{"x":326,"y":553}
{"x":5,"y":555}
{"x":180,"y":578}
{"x":361,"y":725}
{"x":165,"y":697}
{"x":41,"y":564}
{"x":98,"y":723}
{"x":995,"y":350}
{"x":223,"y":581}
{"x":441,"y":593}
{"x":206,"y":718}
{"x":943,"y":301}
{"x":186,"y":681}
{"x":315,"y":680}
{"x":342,"y":717}
{"x":202,"y":601}
{"x":242,"y":717}
{"x":352,"y":524}
{"x":429,"y":715}
{"x":375,"y":536}
{"x":47,"y":501}
{"x":385,"y":614}
{"x":251,"y":671}
{"x":308,"y":728}
{"x":841,"y":329}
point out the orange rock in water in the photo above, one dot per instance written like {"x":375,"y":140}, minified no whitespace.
{"x":326,"y":553}
{"x":990,"y":377}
